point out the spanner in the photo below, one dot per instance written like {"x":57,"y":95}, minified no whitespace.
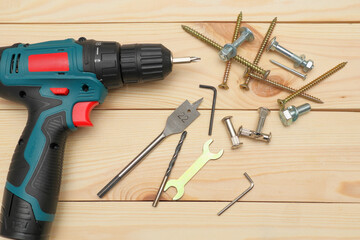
{"x":180,"y":183}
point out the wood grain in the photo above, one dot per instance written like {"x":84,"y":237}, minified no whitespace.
{"x":34,"y":11}
{"x":178,"y":221}
{"x":320,"y":42}
{"x":307,"y":182}
{"x":314,"y":160}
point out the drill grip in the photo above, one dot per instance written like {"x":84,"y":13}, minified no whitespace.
{"x":34,"y":177}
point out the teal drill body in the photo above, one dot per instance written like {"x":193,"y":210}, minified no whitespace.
{"x":60,"y":82}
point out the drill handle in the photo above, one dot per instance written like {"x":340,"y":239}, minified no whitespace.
{"x":34,"y":177}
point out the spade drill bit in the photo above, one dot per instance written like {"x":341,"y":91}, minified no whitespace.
{"x":177,"y":122}
{"x":168,"y":171}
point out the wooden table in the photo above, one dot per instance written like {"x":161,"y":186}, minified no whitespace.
{"x":307,"y":180}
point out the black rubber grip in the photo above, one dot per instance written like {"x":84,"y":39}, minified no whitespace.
{"x":18,"y":218}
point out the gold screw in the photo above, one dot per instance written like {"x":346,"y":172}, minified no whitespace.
{"x":224,"y":85}
{"x":217,"y":46}
{"x":265,"y":41}
{"x":283,"y":87}
{"x":282,"y":102}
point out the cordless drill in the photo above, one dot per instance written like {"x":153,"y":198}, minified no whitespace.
{"x":60,"y":82}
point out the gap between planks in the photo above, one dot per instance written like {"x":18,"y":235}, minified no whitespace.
{"x":217,"y":109}
{"x":202,"y":201}
{"x":170,"y":22}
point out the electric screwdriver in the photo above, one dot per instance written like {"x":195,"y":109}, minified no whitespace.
{"x":60,"y":82}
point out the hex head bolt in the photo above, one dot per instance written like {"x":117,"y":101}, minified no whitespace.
{"x":291,"y":114}
{"x":233,"y":137}
{"x":298,"y":61}
{"x":230,"y":49}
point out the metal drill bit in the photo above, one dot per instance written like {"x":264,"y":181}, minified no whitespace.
{"x":224,"y":85}
{"x":296,"y":73}
{"x":185,"y":60}
{"x":177,"y":122}
{"x":168,"y":171}
{"x":217,"y":46}
{"x":240,"y":196}
{"x":265,"y":41}
{"x":282,"y":102}
{"x":285,"y":88}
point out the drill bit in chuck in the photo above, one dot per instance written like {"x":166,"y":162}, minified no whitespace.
{"x":185,"y":60}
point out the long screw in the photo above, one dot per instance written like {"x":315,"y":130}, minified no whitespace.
{"x":168,"y":171}
{"x":240,"y":196}
{"x":265,"y":41}
{"x":283,"y":87}
{"x":217,"y":46}
{"x":224,"y":85}
{"x":282,"y":102}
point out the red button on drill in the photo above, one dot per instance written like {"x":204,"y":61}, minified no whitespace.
{"x":81,"y":113}
{"x":60,"y":91}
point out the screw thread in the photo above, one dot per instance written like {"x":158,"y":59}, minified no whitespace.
{"x":228,"y":63}
{"x":217,"y":46}
{"x":302,"y":109}
{"x":227,"y":72}
{"x":261,"y":50}
{"x":283,"y":87}
{"x":265,"y":41}
{"x":237,"y":27}
{"x":312,"y":83}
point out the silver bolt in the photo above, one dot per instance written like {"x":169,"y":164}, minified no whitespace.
{"x":234,"y":138}
{"x":291,"y":114}
{"x":263,"y":112}
{"x":298,"y":61}
{"x":296,"y":73}
{"x":229,"y":50}
{"x":254,"y":135}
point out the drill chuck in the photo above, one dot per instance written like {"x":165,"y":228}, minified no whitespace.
{"x":144,"y":62}
{"x":116,"y":65}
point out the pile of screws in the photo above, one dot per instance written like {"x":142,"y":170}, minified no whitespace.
{"x":254,"y":72}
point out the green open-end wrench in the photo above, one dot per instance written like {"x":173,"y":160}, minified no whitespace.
{"x":180,"y":183}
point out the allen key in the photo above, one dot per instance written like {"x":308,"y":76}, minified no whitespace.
{"x":240,"y":196}
{"x":212,"y":107}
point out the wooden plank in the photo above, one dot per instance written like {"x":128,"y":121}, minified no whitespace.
{"x":178,"y":221}
{"x":326,"y":44}
{"x":34,"y":11}
{"x":314,"y":160}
